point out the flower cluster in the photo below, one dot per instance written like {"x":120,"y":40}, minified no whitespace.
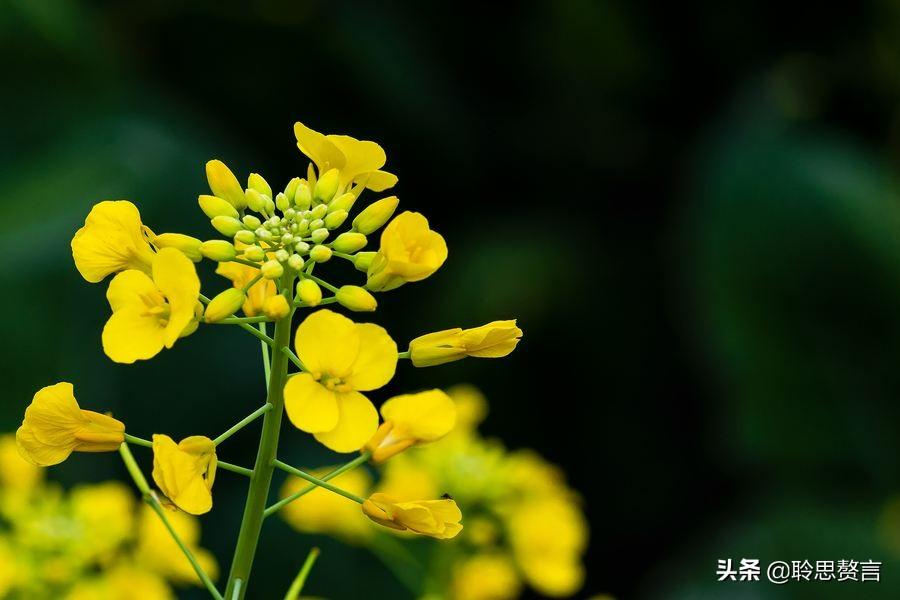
{"x":273,"y":242}
{"x":92,"y":542}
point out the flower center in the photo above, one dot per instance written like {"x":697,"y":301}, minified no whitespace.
{"x":335,"y":384}
{"x":155,"y":305}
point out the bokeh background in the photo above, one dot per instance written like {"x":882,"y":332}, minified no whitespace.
{"x":691,"y":208}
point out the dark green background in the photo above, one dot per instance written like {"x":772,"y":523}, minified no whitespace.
{"x":690,"y":207}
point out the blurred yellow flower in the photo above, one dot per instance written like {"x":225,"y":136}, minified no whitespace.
{"x":55,"y":426}
{"x":185,"y":472}
{"x":240,"y":275}
{"x":9,"y":569}
{"x":435,"y":518}
{"x":113,"y":239}
{"x":105,"y":513}
{"x":486,"y":577}
{"x":494,"y":340}
{"x":322,"y":511}
{"x":16,"y":473}
{"x":471,"y":406}
{"x":406,"y":478}
{"x":126,"y":582}
{"x":547,"y":537}
{"x":412,"y":419}
{"x":410,"y":251}
{"x":150,"y":314}
{"x":358,"y":161}
{"x":342,"y":358}
{"x":157,"y":552}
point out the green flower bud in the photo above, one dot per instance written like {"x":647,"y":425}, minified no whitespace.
{"x":342,"y":202}
{"x":254,"y":254}
{"x":295,"y":262}
{"x":319,"y":235}
{"x":327,"y":185}
{"x":227,"y":226}
{"x":289,"y":214}
{"x":281,"y":255}
{"x":301,"y":247}
{"x":269,"y":207}
{"x":272,"y":269}
{"x":213,"y":206}
{"x":303,"y":227}
{"x":245,"y":237}
{"x":317,"y":224}
{"x":224,"y":305}
{"x":255,"y":201}
{"x":218,"y":250}
{"x":251,"y":221}
{"x":303,"y":196}
{"x":291,"y":188}
{"x":263,"y":234}
{"x":349,"y":242}
{"x":363,"y":260}
{"x":375,"y":215}
{"x":318,"y":212}
{"x":309,"y":292}
{"x":189,"y":246}
{"x":356,"y":298}
{"x":320,"y":254}
{"x":282,"y":202}
{"x":256,"y":182}
{"x":335,"y":219}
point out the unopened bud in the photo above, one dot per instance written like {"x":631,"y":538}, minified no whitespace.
{"x":291,"y":188}
{"x":375,"y":215}
{"x":356,"y":298}
{"x":218,"y":250}
{"x":258,"y":183}
{"x":254,"y":254}
{"x":224,"y":184}
{"x":255,"y":201}
{"x":289,"y":214}
{"x":281,"y":255}
{"x":251,"y":221}
{"x":302,"y":226}
{"x":263,"y":234}
{"x":213,"y":206}
{"x":224,"y":305}
{"x":269,"y":207}
{"x":295,"y":262}
{"x":245,"y":237}
{"x":327,"y":185}
{"x":282,"y":202}
{"x":301,"y":247}
{"x":319,"y":235}
{"x":318,"y":212}
{"x":303,"y":196}
{"x":189,"y":246}
{"x":272,"y":269}
{"x":316,"y":224}
{"x":309,"y":292}
{"x":349,"y":242}
{"x":227,"y":226}
{"x":320,"y":254}
{"x":362,"y":260}
{"x":342,"y":202}
{"x":335,"y":219}
{"x":276,"y":307}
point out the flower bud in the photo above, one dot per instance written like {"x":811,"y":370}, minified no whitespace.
{"x":349,"y":242}
{"x":363,"y":260}
{"x":272,"y":269}
{"x":189,"y":246}
{"x":224,"y":184}
{"x":269,"y":207}
{"x":295,"y":262}
{"x":263,"y":234}
{"x":327,"y":185}
{"x":342,"y":202}
{"x":227,"y":226}
{"x":254,"y":253}
{"x":291,"y":188}
{"x":218,"y":250}
{"x":302,"y":226}
{"x":356,"y":298}
{"x":213,"y":206}
{"x":282,"y":202}
{"x":335,"y":219}
{"x":224,"y":305}
{"x":276,"y":307}
{"x":320,"y":254}
{"x":303,"y":196}
{"x":317,"y":224}
{"x":301,"y":247}
{"x":318,"y":212}
{"x":281,"y":255}
{"x":256,"y":182}
{"x":251,"y":221}
{"x":319,"y":235}
{"x":309,"y":292}
{"x":255,"y":201}
{"x":287,"y":239}
{"x":245,"y":237}
{"x":375,"y":215}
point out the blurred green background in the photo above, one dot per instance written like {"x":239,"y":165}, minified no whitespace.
{"x":691,"y":208}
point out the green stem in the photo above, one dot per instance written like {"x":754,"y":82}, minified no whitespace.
{"x":403,"y":354}
{"x":362,"y":458}
{"x":236,"y":320}
{"x":252,"y":282}
{"x":323,"y":283}
{"x":251,"y":523}
{"x":299,"y":581}
{"x":150,"y":498}
{"x":257,"y":333}
{"x":319,"y":482}
{"x":247,"y":263}
{"x":243,"y":423}
{"x":234,"y":468}
{"x":138,"y":441}
{"x":265,"y":353}
{"x":293,"y":358}
{"x":329,"y":300}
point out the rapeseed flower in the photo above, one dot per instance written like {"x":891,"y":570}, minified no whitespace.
{"x":357,"y":161}
{"x":489,"y":576}
{"x":412,"y":419}
{"x":112,"y":239}
{"x":494,"y":340}
{"x":322,"y":511}
{"x":409,"y":251}
{"x":434,"y":518}
{"x":185,"y":471}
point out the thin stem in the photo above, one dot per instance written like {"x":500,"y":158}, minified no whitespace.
{"x":362,"y":458}
{"x":343,"y":255}
{"x":257,"y":333}
{"x":329,"y":300}
{"x":322,"y":282}
{"x":252,"y":282}
{"x":150,"y":498}
{"x":138,"y":441}
{"x":265,"y":354}
{"x":403,"y":354}
{"x":293,"y":358}
{"x":237,"y":320}
{"x":234,"y":468}
{"x":243,"y":423}
{"x":247,"y":263}
{"x":319,"y":482}
{"x":299,"y":581}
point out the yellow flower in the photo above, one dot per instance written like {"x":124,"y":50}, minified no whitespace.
{"x":240,"y":275}
{"x":486,"y":577}
{"x":406,"y":477}
{"x":113,"y":239}
{"x":122,"y":582}
{"x":105,"y":513}
{"x":548,"y":537}
{"x":16,"y":473}
{"x":342,"y":359}
{"x":55,"y":426}
{"x":412,"y":419}
{"x":496,"y":339}
{"x":150,"y":314}
{"x":471,"y":406}
{"x":157,"y":552}
{"x":322,"y":511}
{"x":359,"y":161}
{"x":185,"y":472}
{"x":434,"y":518}
{"x":410,"y":251}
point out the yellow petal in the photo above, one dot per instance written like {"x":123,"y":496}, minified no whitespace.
{"x":38,"y":453}
{"x":54,"y":415}
{"x":426,"y":416}
{"x":357,"y":422}
{"x":361,"y":156}
{"x":376,"y":360}
{"x":224,"y":184}
{"x":131,"y":335}
{"x":310,"y":406}
{"x":176,"y":277}
{"x":111,"y":240}
{"x":318,"y":148}
{"x":327,"y":342}
{"x":379,"y":181}
{"x":132,"y":288}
